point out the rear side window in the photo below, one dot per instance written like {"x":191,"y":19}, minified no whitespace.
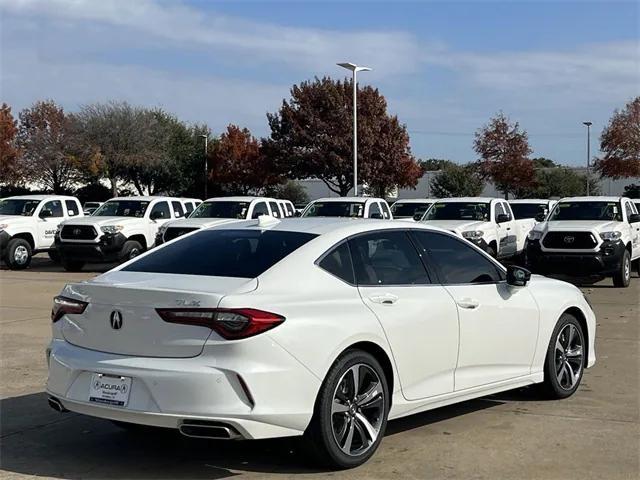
{"x":338,"y":263}
{"x":387,"y":258}
{"x":275,"y":211}
{"x":222,"y":253}
{"x":457,"y":262}
{"x":177,"y":209}
{"x":385,"y":210}
{"x":72,"y":208}
{"x":374,"y":210}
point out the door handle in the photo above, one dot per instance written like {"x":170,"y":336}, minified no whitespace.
{"x":469,"y":303}
{"x":385,"y":299}
{"x":508,"y":228}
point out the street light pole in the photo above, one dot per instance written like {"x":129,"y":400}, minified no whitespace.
{"x":206,"y":163}
{"x":588,"y":125}
{"x":355,"y":69}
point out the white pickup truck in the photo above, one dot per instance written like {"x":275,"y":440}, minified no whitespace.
{"x":584,"y":236}
{"x":411,"y":208}
{"x":489,"y":223}
{"x":28,"y":225}
{"x":532,"y":208}
{"x":118,"y":230}
{"x":352,"y":207}
{"x":216,"y":211}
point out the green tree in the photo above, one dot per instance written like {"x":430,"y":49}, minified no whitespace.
{"x":289,"y":190}
{"x":558,"y":182}
{"x":457,"y":181}
{"x":311,"y":137}
{"x":632,"y":190}
{"x":542,"y":162}
{"x":434,"y":164}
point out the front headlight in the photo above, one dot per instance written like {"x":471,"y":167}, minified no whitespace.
{"x":534,"y":235}
{"x":3,"y":226}
{"x":111,"y":228}
{"x":473,"y":235}
{"x":610,"y":236}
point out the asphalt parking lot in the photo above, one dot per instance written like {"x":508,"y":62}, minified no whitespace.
{"x":594,"y":434}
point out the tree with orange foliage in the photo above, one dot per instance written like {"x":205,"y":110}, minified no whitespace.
{"x":9,"y":153}
{"x":504,"y":155}
{"x":620,"y":143}
{"x":238,"y":165}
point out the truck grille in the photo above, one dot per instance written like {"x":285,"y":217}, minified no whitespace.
{"x":570,"y":240}
{"x":78,"y":232}
{"x":172,"y":233}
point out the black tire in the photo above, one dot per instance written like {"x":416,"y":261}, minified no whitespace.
{"x":637,"y":262}
{"x":622,"y":278}
{"x":320,"y":437}
{"x":72,"y":265}
{"x":130,"y":249}
{"x":18,"y":254}
{"x":54,"y":256}
{"x":491,"y":250}
{"x":557,"y":380}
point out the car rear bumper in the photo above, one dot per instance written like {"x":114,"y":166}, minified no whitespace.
{"x":606,"y":261}
{"x":269,"y":395}
{"x":108,"y":249}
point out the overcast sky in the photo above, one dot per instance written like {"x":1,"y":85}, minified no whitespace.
{"x":444,"y":67}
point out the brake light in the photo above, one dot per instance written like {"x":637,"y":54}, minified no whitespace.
{"x":66,"y":306}
{"x":232,"y":324}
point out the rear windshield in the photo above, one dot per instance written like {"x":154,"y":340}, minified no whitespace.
{"x":335,"y":209}
{"x":222,"y":253}
{"x":221,"y":210}
{"x":528,"y":210}
{"x":400,"y":209}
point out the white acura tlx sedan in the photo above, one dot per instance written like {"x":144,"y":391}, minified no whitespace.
{"x":322,"y":327}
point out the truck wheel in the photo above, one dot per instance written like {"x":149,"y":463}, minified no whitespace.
{"x":131,"y":249}
{"x":72,"y":265}
{"x":491,"y":250}
{"x":622,"y":278}
{"x":18,"y":256}
{"x":54,"y":256}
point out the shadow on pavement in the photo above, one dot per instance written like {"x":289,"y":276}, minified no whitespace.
{"x":42,"y":263}
{"x":35,"y":440}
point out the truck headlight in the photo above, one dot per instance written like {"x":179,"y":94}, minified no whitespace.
{"x":610,"y":236}
{"x":473,"y":235}
{"x":534,"y":235}
{"x":3,"y":226}
{"x":111,"y":228}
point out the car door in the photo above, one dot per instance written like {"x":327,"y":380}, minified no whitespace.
{"x":506,"y":231}
{"x":50,"y":215}
{"x":634,"y":229}
{"x":159,"y":215}
{"x":498,"y":322}
{"x":419,"y":318}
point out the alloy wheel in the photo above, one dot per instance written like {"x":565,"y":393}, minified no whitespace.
{"x":20,"y":255}
{"x":134,"y":253}
{"x":568,"y":356}
{"x":357,"y":409}
{"x":627,"y":269}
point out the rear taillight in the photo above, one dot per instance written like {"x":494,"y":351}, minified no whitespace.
{"x":231,"y":324}
{"x":65,"y":306}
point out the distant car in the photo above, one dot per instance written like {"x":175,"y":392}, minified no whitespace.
{"x":28,"y":225}
{"x":410,"y":208}
{"x":350,"y":207}
{"x":190,"y":204}
{"x":89,"y":207}
{"x":325,"y":327}
{"x":287,"y":208}
{"x":534,"y":208}
{"x":215,"y":211}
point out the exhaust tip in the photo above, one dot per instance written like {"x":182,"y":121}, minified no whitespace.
{"x":209,"y":430}
{"x":56,"y":405}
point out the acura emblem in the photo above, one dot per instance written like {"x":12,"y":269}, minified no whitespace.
{"x":116,"y":320}
{"x":569,"y":239}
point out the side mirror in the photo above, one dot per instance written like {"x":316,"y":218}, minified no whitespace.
{"x":517,"y":276}
{"x":297,"y":214}
{"x":418,"y":216}
{"x":634,"y":218}
{"x":46,"y":214}
{"x":540,"y":217}
{"x":377,"y":216}
{"x":502,"y":217}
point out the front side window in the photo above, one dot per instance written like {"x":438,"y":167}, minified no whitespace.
{"x":629,"y":209}
{"x":122,"y":208}
{"x":528,"y":210}
{"x":221,"y":209}
{"x":177,"y":209}
{"x":160,"y":211}
{"x":72,"y":208}
{"x":18,"y":206}
{"x":338,"y":263}
{"x":478,"y":211}
{"x":374,"y":210}
{"x":596,"y":210}
{"x":335,"y":209}
{"x":52,"y":209}
{"x":222,"y":253}
{"x":259,"y":209}
{"x":457,"y":262}
{"x":387,"y":258}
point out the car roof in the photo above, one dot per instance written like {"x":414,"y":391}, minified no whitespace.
{"x":591,"y":199}
{"x":238,"y":198}
{"x":145,"y":198}
{"x":416,"y":200}
{"x":469,"y":199}
{"x":347,"y":199}
{"x":532,"y":200}
{"x":39,"y":197}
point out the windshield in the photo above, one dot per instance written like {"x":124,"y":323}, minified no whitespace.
{"x":122,"y":208}
{"x":459,"y":211}
{"x":335,"y":209}
{"x":17,"y":206}
{"x":91,"y":205}
{"x":221,"y":210}
{"x":528,"y":210}
{"x":587,"y":211}
{"x":400,"y":209}
{"x":222,"y":253}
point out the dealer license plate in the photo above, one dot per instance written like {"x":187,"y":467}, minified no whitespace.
{"x":109,"y":389}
